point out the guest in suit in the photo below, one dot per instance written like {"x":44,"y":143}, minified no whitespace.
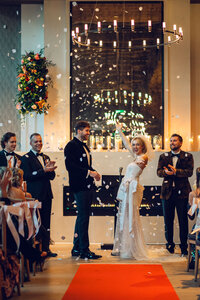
{"x":8,"y":158}
{"x":38,"y":172}
{"x":78,"y":162}
{"x":175,"y":167}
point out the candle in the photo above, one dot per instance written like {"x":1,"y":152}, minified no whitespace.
{"x":108,"y":142}
{"x":198,"y":142}
{"x":92,"y":142}
{"x":132,"y":25}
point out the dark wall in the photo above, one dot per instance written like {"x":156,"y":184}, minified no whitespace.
{"x":10,"y":54}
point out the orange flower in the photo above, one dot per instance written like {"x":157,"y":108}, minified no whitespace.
{"x":18,"y":106}
{"x":40,"y":103}
{"x":20,"y":75}
{"x":37,"y":57}
{"x":39,"y":82}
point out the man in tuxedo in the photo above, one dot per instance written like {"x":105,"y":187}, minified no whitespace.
{"x":175,"y":167}
{"x":38,"y":172}
{"x":78,"y":162}
{"x":8,"y":158}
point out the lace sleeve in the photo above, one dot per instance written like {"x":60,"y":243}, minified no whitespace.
{"x":126,"y":143}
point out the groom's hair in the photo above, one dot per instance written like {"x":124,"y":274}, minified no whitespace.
{"x":6,"y":137}
{"x":179,"y":137}
{"x":80,"y":125}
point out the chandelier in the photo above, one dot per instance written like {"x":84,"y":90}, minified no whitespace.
{"x":97,"y":38}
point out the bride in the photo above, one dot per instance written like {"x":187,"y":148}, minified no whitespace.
{"x":129,"y":240}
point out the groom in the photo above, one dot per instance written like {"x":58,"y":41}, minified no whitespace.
{"x":78,"y":162}
{"x":175,"y":167}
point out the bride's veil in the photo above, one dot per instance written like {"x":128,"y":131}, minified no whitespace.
{"x":150,"y":152}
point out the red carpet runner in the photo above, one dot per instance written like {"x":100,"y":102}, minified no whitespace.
{"x":120,"y":282}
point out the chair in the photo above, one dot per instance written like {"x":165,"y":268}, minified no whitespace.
{"x":24,"y":263}
{"x":191,"y":241}
{"x":3,"y":245}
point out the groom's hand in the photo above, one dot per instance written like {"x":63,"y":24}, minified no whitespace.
{"x":168,"y":172}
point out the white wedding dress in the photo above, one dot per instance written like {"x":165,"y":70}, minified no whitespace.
{"x":129,"y":240}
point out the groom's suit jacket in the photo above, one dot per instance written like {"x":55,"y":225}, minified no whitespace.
{"x":38,"y":181}
{"x":178,"y":182}
{"x":77,"y":164}
{"x":3,"y":159}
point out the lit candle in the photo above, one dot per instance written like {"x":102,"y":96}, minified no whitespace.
{"x":77,"y":31}
{"x":198,"y":142}
{"x":115,"y":25}
{"x":99,"y":27}
{"x":129,"y":44}
{"x":114,"y":44}
{"x":86,"y":29}
{"x":79,"y":40}
{"x":108,"y":142}
{"x":132,"y":25}
{"x":88,"y":43}
{"x":158,"y":43}
{"x":169,"y":39}
{"x":164,"y":26}
{"x":92,"y":142}
{"x":174,"y":28}
{"x":101,"y":43}
{"x":144,"y":44}
{"x":149,"y":25}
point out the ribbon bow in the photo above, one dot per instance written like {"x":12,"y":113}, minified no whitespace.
{"x":9,"y":153}
{"x":39,"y":154}
{"x":174,"y":154}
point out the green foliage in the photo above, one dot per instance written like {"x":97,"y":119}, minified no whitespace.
{"x":33,"y":82}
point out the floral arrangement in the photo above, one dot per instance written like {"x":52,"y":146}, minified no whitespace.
{"x":33,"y":82}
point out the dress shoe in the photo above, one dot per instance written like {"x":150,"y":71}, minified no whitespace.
{"x":89,"y":255}
{"x":184,"y":253}
{"x":75,"y":253}
{"x":170,"y":249}
{"x":51,"y":254}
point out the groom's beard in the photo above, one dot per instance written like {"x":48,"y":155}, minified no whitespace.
{"x":174,"y":148}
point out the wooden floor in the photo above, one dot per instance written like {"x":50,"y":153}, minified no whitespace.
{"x":52,"y":283}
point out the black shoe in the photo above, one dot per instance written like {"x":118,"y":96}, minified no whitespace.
{"x":75,"y":253}
{"x":170,"y":249}
{"x":89,"y":255}
{"x":51,"y":254}
{"x":184,"y":253}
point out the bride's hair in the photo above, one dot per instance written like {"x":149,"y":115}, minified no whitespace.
{"x":142,"y":143}
{"x":146,"y":145}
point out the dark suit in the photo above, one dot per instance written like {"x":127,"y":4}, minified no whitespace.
{"x":174,"y":194}
{"x":82,"y":185}
{"x":39,"y":185}
{"x":3,"y":159}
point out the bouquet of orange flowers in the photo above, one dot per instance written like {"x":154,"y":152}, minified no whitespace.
{"x":33,"y":82}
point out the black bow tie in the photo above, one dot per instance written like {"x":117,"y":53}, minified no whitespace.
{"x":39,"y":154}
{"x":174,"y":154}
{"x":9,"y":153}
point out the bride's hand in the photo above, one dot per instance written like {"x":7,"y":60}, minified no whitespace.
{"x":119,"y":126}
{"x":141,"y":164}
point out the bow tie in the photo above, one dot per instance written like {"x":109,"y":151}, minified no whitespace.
{"x":9,"y":153}
{"x":39,"y":154}
{"x":177,"y":155}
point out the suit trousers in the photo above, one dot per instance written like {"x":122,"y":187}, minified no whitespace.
{"x":45,"y":213}
{"x":83,"y":202}
{"x":169,"y":214}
